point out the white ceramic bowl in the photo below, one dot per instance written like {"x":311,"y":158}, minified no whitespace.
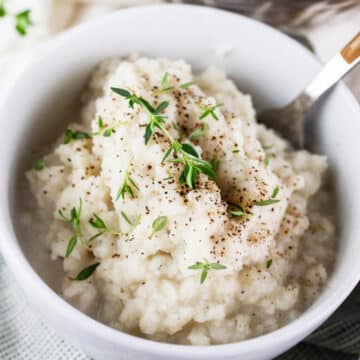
{"x":264,"y":62}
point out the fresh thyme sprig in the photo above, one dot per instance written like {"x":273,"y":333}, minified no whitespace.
{"x":268,"y":155}
{"x":127,"y":187}
{"x":205,"y":267}
{"x":22,"y":19}
{"x":133,"y":99}
{"x":22,"y":22}
{"x":126,"y":218}
{"x":187,"y":85}
{"x":75,"y":135}
{"x":165,"y":83}
{"x":133,"y":224}
{"x":236,"y":210}
{"x":74,"y":220}
{"x":183,"y":153}
{"x":86,"y":272}
{"x":158,"y":224}
{"x":3,"y":11}
{"x":270,"y":201}
{"x":98,"y":223}
{"x":210,"y":110}
{"x":107,"y":131}
{"x":165,"y":86}
{"x":81,"y":135}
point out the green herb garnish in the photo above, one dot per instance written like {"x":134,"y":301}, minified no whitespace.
{"x":22,"y":19}
{"x":133,"y":99}
{"x":100,"y":122}
{"x":267,"y":159}
{"x":197,"y":133}
{"x":158,"y":224}
{"x":165,"y":83}
{"x":22,"y":22}
{"x":215,"y":163}
{"x":205,"y":267}
{"x":74,"y":220}
{"x":165,"y":86}
{"x":275,"y":192}
{"x":39,"y":164}
{"x":271,"y":201}
{"x":235,"y":151}
{"x":269,"y":263}
{"x":183,"y":153}
{"x":126,"y":218}
{"x":86,"y":272}
{"x":268,"y":156}
{"x":187,"y":85}
{"x":2,"y":9}
{"x":98,"y":223}
{"x":236,"y":210}
{"x":107,"y":131}
{"x":128,"y":185}
{"x":210,"y":110}
{"x":133,"y":224}
{"x":75,"y":135}
{"x":267,"y":202}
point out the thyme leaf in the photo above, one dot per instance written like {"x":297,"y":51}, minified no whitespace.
{"x":187,"y":85}
{"x":86,"y":272}
{"x":75,"y":135}
{"x":158,"y":224}
{"x":270,"y":201}
{"x":127,"y":187}
{"x":98,"y":223}
{"x":39,"y":164}
{"x":236,"y":210}
{"x":210,"y":111}
{"x":205,"y":267}
{"x":22,"y":22}
{"x":74,"y":220}
{"x":3,"y":11}
{"x":126,"y":218}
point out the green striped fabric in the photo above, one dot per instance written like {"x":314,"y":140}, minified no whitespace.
{"x":24,"y":336}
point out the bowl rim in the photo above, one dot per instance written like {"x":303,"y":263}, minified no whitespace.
{"x":23,"y":271}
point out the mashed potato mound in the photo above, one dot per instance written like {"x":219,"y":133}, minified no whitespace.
{"x":277,"y":255}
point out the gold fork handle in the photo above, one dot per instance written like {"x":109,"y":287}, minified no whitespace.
{"x":334,"y":70}
{"x":351,"y":51}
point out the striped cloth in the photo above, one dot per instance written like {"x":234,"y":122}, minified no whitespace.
{"x":23,"y":336}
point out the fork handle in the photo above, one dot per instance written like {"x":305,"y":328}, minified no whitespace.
{"x":351,"y":51}
{"x":333,"y":71}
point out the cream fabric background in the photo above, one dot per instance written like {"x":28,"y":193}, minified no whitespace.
{"x":327,"y":34}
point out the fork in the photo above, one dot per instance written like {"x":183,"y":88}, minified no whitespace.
{"x":289,"y":121}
